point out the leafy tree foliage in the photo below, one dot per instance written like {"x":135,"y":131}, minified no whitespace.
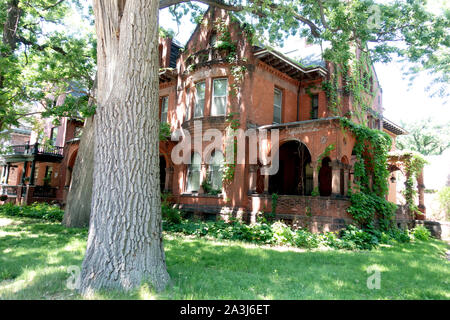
{"x":425,"y":137}
{"x":41,"y":59}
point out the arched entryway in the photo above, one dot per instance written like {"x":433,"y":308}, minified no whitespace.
{"x":325,"y":178}
{"x":295,"y":174}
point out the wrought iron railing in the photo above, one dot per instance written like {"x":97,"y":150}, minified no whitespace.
{"x":206,"y":56}
{"x":44,"y":192}
{"x":9,"y":190}
{"x":36,"y":148}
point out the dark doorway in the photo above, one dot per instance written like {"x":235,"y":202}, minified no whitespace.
{"x":325,"y":178}
{"x":162,"y":172}
{"x":294,"y":176}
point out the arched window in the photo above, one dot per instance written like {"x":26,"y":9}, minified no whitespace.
{"x":193,"y":174}
{"x":215,"y":170}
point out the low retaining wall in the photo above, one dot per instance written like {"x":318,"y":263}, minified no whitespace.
{"x":318,"y":214}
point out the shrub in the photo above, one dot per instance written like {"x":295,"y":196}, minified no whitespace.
{"x":3,"y":197}
{"x":421,"y":233}
{"x":170,"y":214}
{"x":36,"y":210}
{"x":168,"y":211}
{"x":355,"y":238}
{"x":400,"y":235}
{"x":282,"y":233}
{"x":306,"y":239}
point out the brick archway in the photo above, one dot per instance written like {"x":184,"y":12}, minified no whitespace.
{"x":295,"y":175}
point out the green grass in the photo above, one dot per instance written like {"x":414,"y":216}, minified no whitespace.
{"x":35,"y":255}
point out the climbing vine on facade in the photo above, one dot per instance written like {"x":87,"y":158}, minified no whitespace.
{"x":371,"y":173}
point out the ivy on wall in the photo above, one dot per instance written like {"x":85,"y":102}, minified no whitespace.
{"x":370,"y":176}
{"x":413,"y":164}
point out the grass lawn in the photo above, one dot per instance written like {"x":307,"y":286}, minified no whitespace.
{"x":35,"y":256}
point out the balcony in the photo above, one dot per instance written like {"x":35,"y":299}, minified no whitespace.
{"x":206,"y":57}
{"x":27,"y":152}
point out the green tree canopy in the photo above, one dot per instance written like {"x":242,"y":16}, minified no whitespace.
{"x":41,"y":59}
{"x":426,"y":137}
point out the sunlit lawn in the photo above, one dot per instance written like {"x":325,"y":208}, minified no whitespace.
{"x":35,"y":256}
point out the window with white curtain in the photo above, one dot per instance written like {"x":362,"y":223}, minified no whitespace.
{"x":199,"y":99}
{"x":277,"y":102}
{"x":193,"y":174}
{"x":164,"y":108}
{"x":219,"y":102}
{"x":215,"y":170}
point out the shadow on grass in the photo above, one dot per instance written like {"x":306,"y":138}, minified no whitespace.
{"x":37,"y":255}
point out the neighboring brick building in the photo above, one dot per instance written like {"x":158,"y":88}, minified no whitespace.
{"x":276,"y":93}
{"x":33,"y":172}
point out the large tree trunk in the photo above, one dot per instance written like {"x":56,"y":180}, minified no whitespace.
{"x":79,"y":198}
{"x":125,"y":233}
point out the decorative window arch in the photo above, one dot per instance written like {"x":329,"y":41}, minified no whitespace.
{"x":194,"y":173}
{"x":215,"y":170}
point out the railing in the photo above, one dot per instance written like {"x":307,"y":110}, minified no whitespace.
{"x":36,"y":148}
{"x":10,"y":190}
{"x":44,"y":192}
{"x":206,"y":56}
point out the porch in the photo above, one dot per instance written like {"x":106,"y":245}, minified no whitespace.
{"x":22,"y":181}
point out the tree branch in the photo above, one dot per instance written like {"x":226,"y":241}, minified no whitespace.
{"x":215,"y":3}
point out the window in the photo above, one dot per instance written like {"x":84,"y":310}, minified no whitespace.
{"x":48,"y":175}
{"x":188,"y":104}
{"x":215,"y":170}
{"x":277,"y":100}
{"x":164,"y":108}
{"x":199,"y":99}
{"x":78,"y":131}
{"x":315,"y":106}
{"x":53,"y":135}
{"x":213,"y":40}
{"x":193,"y":175}
{"x":219,"y":103}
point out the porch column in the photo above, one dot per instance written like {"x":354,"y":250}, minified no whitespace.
{"x":24,"y":171}
{"x":420,"y":193}
{"x":8,"y":168}
{"x":169,"y":178}
{"x":33,"y":169}
{"x":335,"y":178}
{"x":252,"y":170}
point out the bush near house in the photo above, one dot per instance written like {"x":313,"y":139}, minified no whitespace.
{"x":279,"y":233}
{"x":43,"y":211}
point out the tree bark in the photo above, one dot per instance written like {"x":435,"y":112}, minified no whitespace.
{"x":78,"y":208}
{"x":125,"y":233}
